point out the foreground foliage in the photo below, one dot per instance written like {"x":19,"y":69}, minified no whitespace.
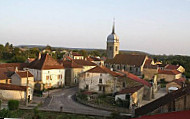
{"x":36,"y":114}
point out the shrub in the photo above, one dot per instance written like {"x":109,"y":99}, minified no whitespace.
{"x":13,"y":104}
{"x":83,"y":96}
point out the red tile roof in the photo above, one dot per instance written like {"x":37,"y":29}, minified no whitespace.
{"x":130,"y":90}
{"x":179,"y":81}
{"x":76,"y":54}
{"x":149,"y":65}
{"x":44,"y":63}
{"x":71,"y":64}
{"x":20,"y":66}
{"x":93,"y":59}
{"x":127,"y":59}
{"x":102,"y":69}
{"x":6,"y":72}
{"x":84,"y":62}
{"x":169,"y":72}
{"x":12,"y":87}
{"x":23,"y":74}
{"x":172,"y":67}
{"x":137,"y":79}
{"x":171,"y":115}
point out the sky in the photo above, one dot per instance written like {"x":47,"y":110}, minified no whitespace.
{"x":153,"y":26}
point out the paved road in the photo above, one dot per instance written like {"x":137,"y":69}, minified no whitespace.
{"x":64,"y":98}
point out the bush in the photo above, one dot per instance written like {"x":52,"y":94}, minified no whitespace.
{"x":83,"y":96}
{"x":13,"y":104}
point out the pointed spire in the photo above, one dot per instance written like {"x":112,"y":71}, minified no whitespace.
{"x":113,"y":29}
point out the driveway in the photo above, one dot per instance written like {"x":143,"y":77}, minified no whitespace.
{"x":64,"y":98}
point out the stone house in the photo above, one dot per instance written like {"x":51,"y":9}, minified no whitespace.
{"x":177,"y":83}
{"x":86,"y":64}
{"x":149,"y":69}
{"x":14,"y":92}
{"x":72,"y":70}
{"x":102,"y":80}
{"x":95,"y":60}
{"x":169,"y":75}
{"x":7,"y":69}
{"x":47,"y":72}
{"x":132,"y":63}
{"x":99,"y":79}
{"x":175,"y":67}
{"x":134,"y":94}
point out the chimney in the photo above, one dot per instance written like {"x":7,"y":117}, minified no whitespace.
{"x":16,"y":69}
{"x":39,"y":56}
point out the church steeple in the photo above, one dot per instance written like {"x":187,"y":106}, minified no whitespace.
{"x":113,"y":28}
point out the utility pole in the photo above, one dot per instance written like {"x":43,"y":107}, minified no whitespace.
{"x":26,"y":86}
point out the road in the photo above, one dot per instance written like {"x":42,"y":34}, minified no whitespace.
{"x":64,"y":98}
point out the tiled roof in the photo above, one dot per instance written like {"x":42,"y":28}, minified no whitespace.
{"x":149,"y":65}
{"x":170,"y":115}
{"x":137,"y":79}
{"x":169,"y":72}
{"x":44,"y":63}
{"x":93,"y":59}
{"x":130,"y":90}
{"x":102,"y":69}
{"x":127,"y":59}
{"x":71,"y":64}
{"x":179,"y":81}
{"x":12,"y":87}
{"x":172,"y":67}
{"x":84,"y":62}
{"x":76,"y":54}
{"x":20,"y":66}
{"x":6,"y":72}
{"x":23,"y":74}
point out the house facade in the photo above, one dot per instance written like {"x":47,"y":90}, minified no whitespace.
{"x":47,"y":72}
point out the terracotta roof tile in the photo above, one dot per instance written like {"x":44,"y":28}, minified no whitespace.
{"x":130,"y":90}
{"x":20,"y":66}
{"x":137,"y":79}
{"x":23,"y":74}
{"x":127,"y":59}
{"x":171,"y":67}
{"x":169,"y":72}
{"x":102,"y":69}
{"x":44,"y":63}
{"x":6,"y":72}
{"x":76,"y":54}
{"x":84,"y":62}
{"x":12,"y":87}
{"x":71,"y":64}
{"x":93,"y":59}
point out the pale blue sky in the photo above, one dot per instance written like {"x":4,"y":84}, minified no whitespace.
{"x":153,"y":26}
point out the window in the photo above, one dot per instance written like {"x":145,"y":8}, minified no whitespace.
{"x":118,"y":67}
{"x":88,"y":74}
{"x":59,"y":76}
{"x":87,"y":87}
{"x":100,"y":88}
{"x":130,"y":69}
{"x":47,"y":77}
{"x":124,"y":68}
{"x":110,"y":47}
{"x":100,"y":80}
{"x":123,"y":84}
{"x":116,"y":48}
{"x":100,"y":74}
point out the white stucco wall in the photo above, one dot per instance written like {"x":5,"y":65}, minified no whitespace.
{"x":92,"y":80}
{"x":53,"y":73}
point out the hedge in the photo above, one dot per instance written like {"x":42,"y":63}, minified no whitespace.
{"x":13,"y":104}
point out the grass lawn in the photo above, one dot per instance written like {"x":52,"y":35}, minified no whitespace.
{"x":36,"y":114}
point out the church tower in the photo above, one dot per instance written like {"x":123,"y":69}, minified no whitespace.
{"x":112,"y":44}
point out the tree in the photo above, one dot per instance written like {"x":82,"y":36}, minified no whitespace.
{"x":83,"y":52}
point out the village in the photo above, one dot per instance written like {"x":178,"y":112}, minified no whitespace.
{"x":129,"y":84}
